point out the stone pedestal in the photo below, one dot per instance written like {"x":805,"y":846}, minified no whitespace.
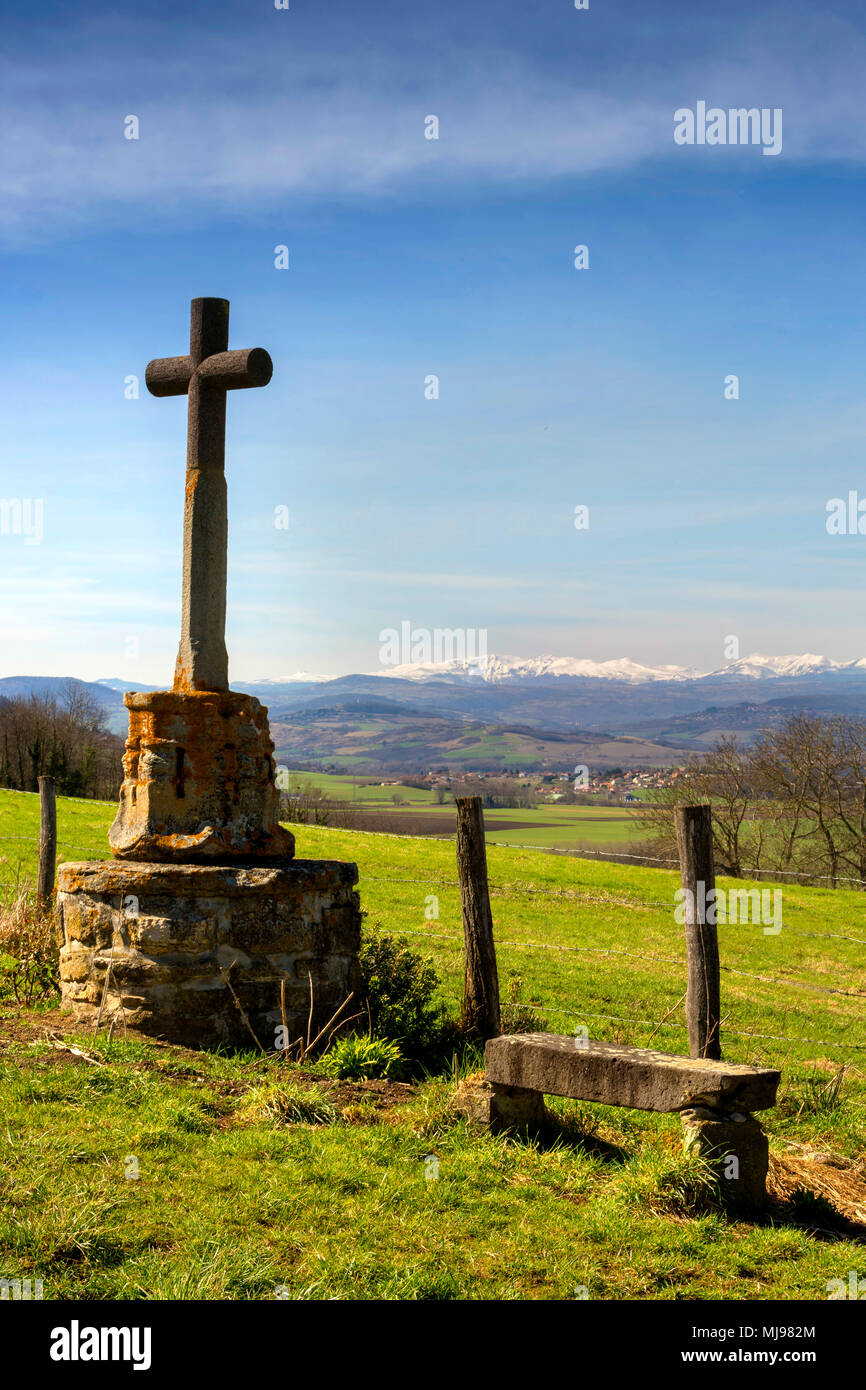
{"x":499,"y":1108}
{"x":198,"y":781}
{"x":737,"y":1147}
{"x":152,"y":940}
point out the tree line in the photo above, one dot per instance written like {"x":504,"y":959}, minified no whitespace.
{"x":63,"y":736}
{"x":793,"y":801}
{"x":497,"y":793}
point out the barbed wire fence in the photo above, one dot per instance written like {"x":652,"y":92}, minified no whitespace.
{"x":568,"y":896}
{"x":578,"y":1011}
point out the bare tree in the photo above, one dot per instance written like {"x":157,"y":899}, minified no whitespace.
{"x":793,"y":802}
{"x":719,"y":778}
{"x":64,"y":737}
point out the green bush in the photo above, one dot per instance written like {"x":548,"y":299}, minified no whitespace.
{"x":362,"y":1058}
{"x":399,"y":987}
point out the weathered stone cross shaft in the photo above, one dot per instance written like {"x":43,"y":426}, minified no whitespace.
{"x":205,"y":375}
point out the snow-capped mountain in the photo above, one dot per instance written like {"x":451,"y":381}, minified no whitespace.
{"x":760,"y":667}
{"x":297,"y":678}
{"x":553,"y":693}
{"x":553,"y":671}
{"x":500,"y":670}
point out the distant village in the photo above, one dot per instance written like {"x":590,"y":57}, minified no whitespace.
{"x":619,"y":784}
{"x":615,"y":784}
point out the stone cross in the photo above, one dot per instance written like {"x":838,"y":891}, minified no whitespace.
{"x":205,"y":376}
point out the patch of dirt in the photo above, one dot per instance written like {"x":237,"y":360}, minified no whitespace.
{"x":379,"y":1095}
{"x":182,"y":1065}
{"x":23,"y":1026}
{"x":384,"y":1095}
{"x":826,"y":1064}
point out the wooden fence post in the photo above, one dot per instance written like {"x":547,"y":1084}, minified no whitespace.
{"x":480,"y":1013}
{"x":703,"y":1010}
{"x":47,"y":841}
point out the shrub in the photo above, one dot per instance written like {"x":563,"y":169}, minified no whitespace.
{"x":398,"y":987}
{"x":363,"y":1058}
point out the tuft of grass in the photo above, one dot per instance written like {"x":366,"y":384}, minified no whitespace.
{"x":287,"y":1103}
{"x":432,"y":1113}
{"x":29,"y":951}
{"x":516,"y":1014}
{"x":669,"y":1184}
{"x":823,"y":1097}
{"x":115,"y":1049}
{"x":359,"y":1113}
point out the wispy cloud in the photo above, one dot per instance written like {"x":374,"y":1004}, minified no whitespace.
{"x":462,"y":582}
{"x":221,"y":126}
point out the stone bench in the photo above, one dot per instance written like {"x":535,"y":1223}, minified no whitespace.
{"x":714,"y":1099}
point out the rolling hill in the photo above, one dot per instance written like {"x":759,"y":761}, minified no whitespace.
{"x":534,"y":713}
{"x":372,"y":735}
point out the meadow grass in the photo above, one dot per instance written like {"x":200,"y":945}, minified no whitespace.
{"x":248,"y":1185}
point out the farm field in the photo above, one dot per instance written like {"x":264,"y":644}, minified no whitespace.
{"x":566,"y":827}
{"x":548,"y":826}
{"x":361,"y":792}
{"x":544,"y":827}
{"x":233,"y":1204}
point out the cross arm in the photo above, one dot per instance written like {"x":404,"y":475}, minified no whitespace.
{"x":233,"y":371}
{"x":230,"y":371}
{"x":168,"y":376}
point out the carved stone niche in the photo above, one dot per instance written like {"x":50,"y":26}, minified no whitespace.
{"x":199,"y":782}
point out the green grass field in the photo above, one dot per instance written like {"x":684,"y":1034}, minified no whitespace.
{"x":553,"y":826}
{"x":230,"y":1204}
{"x":567,"y":827}
{"x":361,"y":793}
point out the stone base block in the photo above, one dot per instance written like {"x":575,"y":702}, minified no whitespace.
{"x":199,"y":781}
{"x":499,"y":1107}
{"x":150,"y":943}
{"x":736,"y":1146}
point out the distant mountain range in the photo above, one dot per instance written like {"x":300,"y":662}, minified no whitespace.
{"x":665,"y":706}
{"x":502,"y":669}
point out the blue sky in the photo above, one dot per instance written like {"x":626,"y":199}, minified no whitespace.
{"x":454,"y":257}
